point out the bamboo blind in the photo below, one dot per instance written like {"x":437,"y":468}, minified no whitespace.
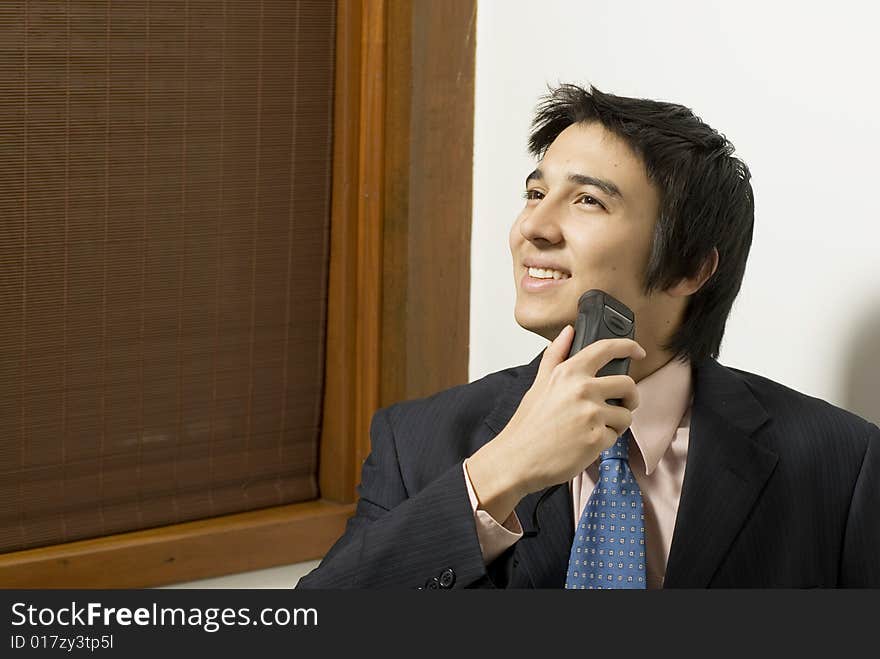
{"x":164,"y":225}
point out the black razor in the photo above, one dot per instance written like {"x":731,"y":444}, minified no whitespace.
{"x":601,"y":316}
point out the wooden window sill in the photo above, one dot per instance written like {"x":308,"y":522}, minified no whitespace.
{"x":182,"y":552}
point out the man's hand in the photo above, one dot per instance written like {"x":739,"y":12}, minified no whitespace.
{"x":561,"y":426}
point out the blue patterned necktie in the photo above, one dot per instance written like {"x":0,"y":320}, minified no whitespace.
{"x":609,"y":544}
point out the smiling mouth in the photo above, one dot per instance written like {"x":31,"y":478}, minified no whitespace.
{"x":544,"y":274}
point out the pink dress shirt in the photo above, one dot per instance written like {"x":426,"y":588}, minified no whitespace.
{"x":660,"y":427}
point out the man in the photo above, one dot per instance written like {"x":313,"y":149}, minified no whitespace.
{"x":738,"y":481}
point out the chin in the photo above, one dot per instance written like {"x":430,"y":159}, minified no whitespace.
{"x":541,"y":324}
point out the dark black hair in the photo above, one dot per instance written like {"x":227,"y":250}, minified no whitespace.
{"x":706,"y":200}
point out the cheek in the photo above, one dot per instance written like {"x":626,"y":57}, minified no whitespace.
{"x":611,"y":263}
{"x":593,"y":254}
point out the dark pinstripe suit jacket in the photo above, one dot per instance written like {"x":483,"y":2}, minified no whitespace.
{"x":780,"y":490}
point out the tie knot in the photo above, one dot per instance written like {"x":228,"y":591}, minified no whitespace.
{"x":620,"y":450}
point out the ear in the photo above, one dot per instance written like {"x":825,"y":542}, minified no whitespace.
{"x":690,"y":285}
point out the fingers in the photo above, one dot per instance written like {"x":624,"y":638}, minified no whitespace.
{"x":618,"y":419}
{"x":621,"y":387}
{"x":556,"y":352}
{"x":594,"y":356}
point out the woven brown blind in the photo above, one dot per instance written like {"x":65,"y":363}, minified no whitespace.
{"x":164,"y":226}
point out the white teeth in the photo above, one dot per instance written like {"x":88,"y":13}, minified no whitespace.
{"x":541,"y":273}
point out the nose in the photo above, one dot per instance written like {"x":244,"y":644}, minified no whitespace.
{"x":540,"y":223}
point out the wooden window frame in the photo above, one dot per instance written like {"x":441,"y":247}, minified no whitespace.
{"x":397,"y":315}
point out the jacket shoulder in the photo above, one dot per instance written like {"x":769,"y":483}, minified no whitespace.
{"x":432,"y":433}
{"x":468,"y":403}
{"x":783,"y":402}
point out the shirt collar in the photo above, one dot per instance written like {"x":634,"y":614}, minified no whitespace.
{"x":664,"y":397}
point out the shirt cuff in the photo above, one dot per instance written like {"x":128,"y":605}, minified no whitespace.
{"x":494,"y":538}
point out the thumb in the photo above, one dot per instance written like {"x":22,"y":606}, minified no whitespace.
{"x":556,"y":352}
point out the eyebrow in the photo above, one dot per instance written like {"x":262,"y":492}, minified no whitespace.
{"x":581,"y":179}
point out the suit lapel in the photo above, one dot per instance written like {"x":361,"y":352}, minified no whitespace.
{"x":522,"y":379}
{"x":542,"y":552}
{"x":725,"y":473}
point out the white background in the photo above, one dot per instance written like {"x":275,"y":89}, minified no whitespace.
{"x":794,"y":87}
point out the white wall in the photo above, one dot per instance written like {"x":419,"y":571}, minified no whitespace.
{"x":793,"y":85}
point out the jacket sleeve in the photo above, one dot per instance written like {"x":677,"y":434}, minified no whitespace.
{"x":397,"y":539}
{"x":860,"y":562}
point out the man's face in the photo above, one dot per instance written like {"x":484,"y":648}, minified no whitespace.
{"x":590,"y":211}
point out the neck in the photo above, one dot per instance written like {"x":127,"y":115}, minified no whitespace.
{"x":655,"y":326}
{"x":656,"y":359}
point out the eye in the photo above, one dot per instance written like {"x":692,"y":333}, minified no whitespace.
{"x":531,"y":195}
{"x":587,"y":200}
